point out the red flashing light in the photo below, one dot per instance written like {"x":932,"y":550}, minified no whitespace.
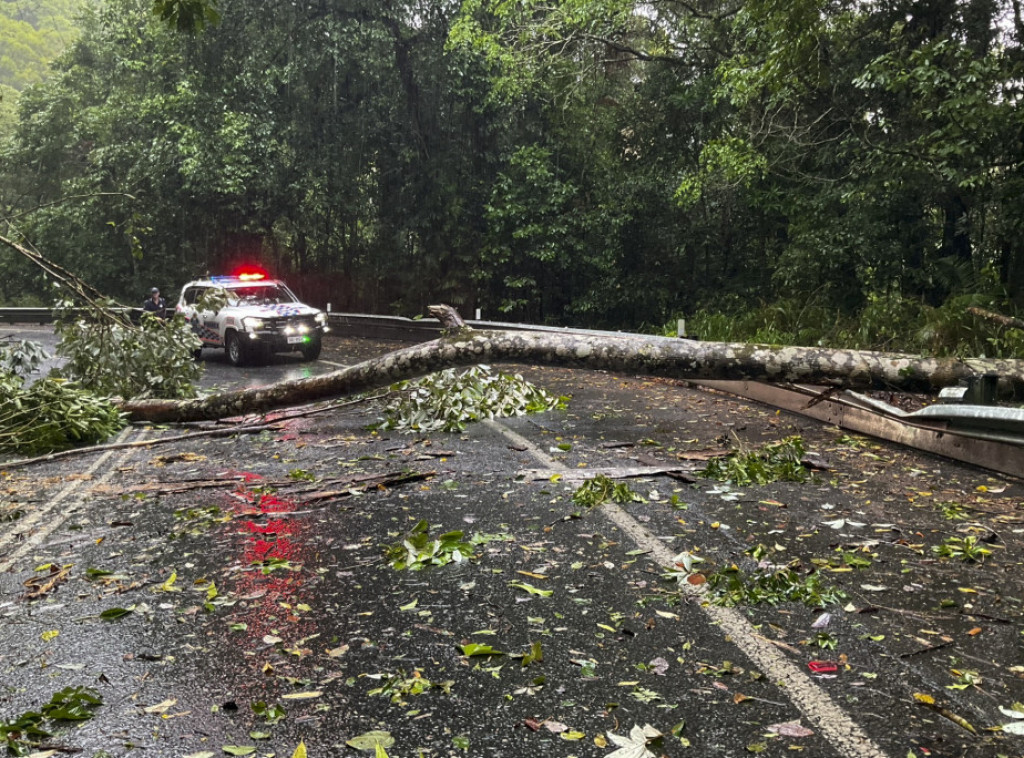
{"x":249,"y":274}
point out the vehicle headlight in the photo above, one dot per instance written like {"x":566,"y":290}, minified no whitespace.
{"x":321,"y":318}
{"x":253,"y":324}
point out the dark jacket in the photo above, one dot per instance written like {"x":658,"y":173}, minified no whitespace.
{"x":157,"y":306}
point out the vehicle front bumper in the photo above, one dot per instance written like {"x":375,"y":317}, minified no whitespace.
{"x":288,"y":338}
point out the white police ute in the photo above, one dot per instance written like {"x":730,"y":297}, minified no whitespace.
{"x":251,"y":316}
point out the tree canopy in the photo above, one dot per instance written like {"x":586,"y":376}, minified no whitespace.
{"x":836,"y":168}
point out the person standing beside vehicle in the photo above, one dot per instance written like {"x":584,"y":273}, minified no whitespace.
{"x":155,"y":304}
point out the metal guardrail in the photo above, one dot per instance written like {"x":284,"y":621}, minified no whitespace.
{"x":26,"y":315}
{"x":46,"y":315}
{"x":409,"y":329}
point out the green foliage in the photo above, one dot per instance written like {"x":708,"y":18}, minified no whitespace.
{"x":187,"y":16}
{"x":52,"y":414}
{"x":25,"y":733}
{"x":49,"y":414}
{"x":842,"y":171}
{"x":272,"y":713}
{"x":951,"y":510}
{"x":111,"y":357}
{"x":21,"y":358}
{"x":32,"y":34}
{"x":601,"y":489}
{"x":889,"y":322}
{"x":417,"y":550}
{"x":825,"y":641}
{"x":772,"y":462}
{"x":401,"y":686}
{"x":726,"y":162}
{"x":449,"y":399}
{"x":731,"y":587}
{"x":968,"y":549}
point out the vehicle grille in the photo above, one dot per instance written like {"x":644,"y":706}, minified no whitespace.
{"x":294,"y":324}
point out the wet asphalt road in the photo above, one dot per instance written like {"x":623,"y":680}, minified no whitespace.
{"x":247,"y":579}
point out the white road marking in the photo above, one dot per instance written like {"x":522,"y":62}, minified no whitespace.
{"x":46,"y":516}
{"x":834,"y":724}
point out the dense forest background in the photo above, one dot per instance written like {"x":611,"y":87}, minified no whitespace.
{"x":32,"y":34}
{"x":803,"y":171}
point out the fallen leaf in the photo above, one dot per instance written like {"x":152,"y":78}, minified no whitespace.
{"x":531,"y":589}
{"x":634,"y":746}
{"x":532,"y":574}
{"x":112,"y":614}
{"x":302,"y":695}
{"x":790,"y":729}
{"x":822,"y":621}
{"x":163,"y":707}
{"x":369,"y":741}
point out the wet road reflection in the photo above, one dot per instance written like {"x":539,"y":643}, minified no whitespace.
{"x":220,"y":374}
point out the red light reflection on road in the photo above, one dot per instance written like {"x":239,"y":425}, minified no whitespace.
{"x":275,"y":556}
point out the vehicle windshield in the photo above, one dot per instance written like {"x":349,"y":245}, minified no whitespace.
{"x":260,"y":294}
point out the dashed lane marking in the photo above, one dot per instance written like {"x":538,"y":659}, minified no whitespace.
{"x":48,"y":517}
{"x":833,"y":723}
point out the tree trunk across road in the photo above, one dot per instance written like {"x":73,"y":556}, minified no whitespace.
{"x":628,"y":354}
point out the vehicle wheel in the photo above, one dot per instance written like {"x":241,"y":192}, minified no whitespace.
{"x":197,"y":353}
{"x":237,"y":350}
{"x":312,"y":351}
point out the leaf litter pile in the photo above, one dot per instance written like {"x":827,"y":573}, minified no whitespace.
{"x":332,"y":590}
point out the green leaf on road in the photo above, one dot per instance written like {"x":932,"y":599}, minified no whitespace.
{"x":112,"y":614}
{"x":472,"y":648}
{"x":372,"y":740}
{"x":531,"y":589}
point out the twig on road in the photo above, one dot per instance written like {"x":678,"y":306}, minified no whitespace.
{"x":226,"y":432}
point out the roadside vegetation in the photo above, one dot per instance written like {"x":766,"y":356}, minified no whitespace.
{"x":965,"y":325}
{"x":105,"y":357}
{"x":835,"y":174}
{"x":49,"y":413}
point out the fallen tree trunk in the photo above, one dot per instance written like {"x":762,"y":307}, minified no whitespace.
{"x":637,"y":355}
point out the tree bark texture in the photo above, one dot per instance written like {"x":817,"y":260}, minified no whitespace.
{"x":635,"y":355}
